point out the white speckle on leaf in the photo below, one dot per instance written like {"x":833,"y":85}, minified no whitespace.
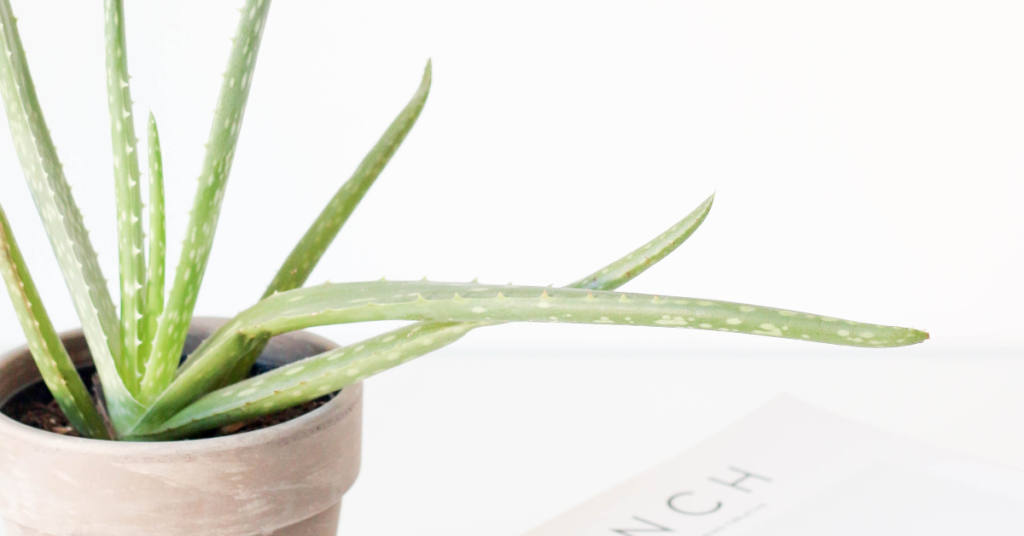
{"x":676,"y":321}
{"x":768,"y":329}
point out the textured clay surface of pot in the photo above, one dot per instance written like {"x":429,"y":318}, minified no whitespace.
{"x":285,"y":480}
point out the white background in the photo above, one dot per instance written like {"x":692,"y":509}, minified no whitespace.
{"x":866,"y":156}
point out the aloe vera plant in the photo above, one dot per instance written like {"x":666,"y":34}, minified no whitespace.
{"x":150,"y":394}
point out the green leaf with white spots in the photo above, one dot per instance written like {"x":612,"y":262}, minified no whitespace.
{"x":220,"y":152}
{"x":609,"y":277}
{"x":621,"y":271}
{"x":47,"y":350}
{"x":63,"y":221}
{"x":424,"y":300}
{"x":314,"y":243}
{"x":157,"y":244}
{"x":129,"y":193}
{"x":310,"y":378}
{"x":468,"y":302}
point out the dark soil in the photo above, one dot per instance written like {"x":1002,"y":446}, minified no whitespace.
{"x":34,"y":406}
{"x":43,"y":415}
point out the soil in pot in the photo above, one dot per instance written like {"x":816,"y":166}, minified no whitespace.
{"x":34,"y":406}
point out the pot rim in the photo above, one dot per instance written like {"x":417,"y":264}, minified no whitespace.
{"x":337,"y":408}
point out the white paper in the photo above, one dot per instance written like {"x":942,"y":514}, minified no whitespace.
{"x":792,"y":469}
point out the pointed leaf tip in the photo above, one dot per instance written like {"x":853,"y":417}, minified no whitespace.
{"x":639,"y":260}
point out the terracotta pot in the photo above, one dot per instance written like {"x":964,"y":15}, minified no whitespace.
{"x":286,"y":480}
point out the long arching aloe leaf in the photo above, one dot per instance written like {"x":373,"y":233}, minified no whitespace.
{"x":424,"y":300}
{"x":157,"y":244}
{"x":63,"y":222}
{"x":468,"y":302}
{"x":48,"y":351}
{"x":129,"y":196}
{"x":309,"y":378}
{"x":220,"y":152}
{"x":609,"y":277}
{"x":314,"y":243}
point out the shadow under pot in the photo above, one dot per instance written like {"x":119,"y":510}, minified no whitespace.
{"x":284,"y":480}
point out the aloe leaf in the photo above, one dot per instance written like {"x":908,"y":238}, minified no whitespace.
{"x":157,"y":244}
{"x":468,"y":302}
{"x":619,"y":272}
{"x":129,"y":192}
{"x":608,"y":278}
{"x":63,"y":221}
{"x":309,"y":378}
{"x":425,"y":300}
{"x":220,"y":151}
{"x":314,"y":243}
{"x":48,"y":351}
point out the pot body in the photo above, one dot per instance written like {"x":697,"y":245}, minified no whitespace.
{"x":285,"y":480}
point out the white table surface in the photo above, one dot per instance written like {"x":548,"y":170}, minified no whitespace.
{"x":470,"y":443}
{"x":461,"y":444}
